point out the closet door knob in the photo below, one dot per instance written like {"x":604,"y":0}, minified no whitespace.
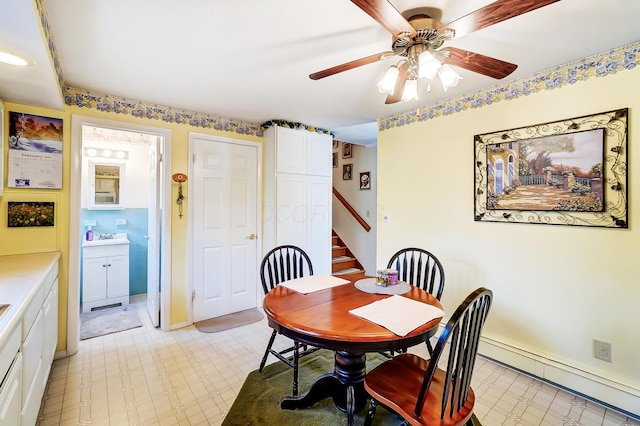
{"x":252,"y":236}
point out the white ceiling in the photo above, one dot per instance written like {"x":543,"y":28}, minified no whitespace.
{"x":250,"y":60}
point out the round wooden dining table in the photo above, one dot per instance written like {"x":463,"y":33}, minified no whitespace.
{"x":322,"y":319}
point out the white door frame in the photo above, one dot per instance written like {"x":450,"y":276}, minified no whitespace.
{"x":214,"y":138}
{"x":73,"y":300}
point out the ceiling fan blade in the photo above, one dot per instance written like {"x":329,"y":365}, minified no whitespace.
{"x":397,"y":91}
{"x":386,"y":15}
{"x":350,"y":65}
{"x":481,"y":64}
{"x":493,"y":13}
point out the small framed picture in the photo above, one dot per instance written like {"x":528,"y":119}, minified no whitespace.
{"x":335,"y":144}
{"x":335,"y":160}
{"x":346,"y":150}
{"x":21,"y":214}
{"x":365,"y":180}
{"x":347,"y":172}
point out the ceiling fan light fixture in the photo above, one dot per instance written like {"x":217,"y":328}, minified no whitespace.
{"x":12,"y":59}
{"x":448,"y":77}
{"x":410,"y":91}
{"x":388,"y":82}
{"x":428,"y":65}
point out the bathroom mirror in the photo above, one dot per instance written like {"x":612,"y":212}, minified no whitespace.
{"x":106,"y":182}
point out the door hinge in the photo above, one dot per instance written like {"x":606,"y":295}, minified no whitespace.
{"x":193,"y":295}
{"x":194,"y":158}
{"x":160,"y":158}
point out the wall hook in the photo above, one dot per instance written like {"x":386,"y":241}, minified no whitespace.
{"x":179,"y":178}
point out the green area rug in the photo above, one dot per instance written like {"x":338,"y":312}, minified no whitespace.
{"x":258,"y":402}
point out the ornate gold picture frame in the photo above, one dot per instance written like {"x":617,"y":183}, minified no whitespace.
{"x":567,"y":172}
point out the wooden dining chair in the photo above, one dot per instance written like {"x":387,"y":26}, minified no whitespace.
{"x":283,"y":263}
{"x":420,"y":391}
{"x":420,"y":268}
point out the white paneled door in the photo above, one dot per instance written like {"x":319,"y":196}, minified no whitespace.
{"x":153,"y":231}
{"x":225,"y":226}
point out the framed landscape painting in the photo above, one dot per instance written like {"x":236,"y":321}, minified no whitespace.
{"x":568,"y":172}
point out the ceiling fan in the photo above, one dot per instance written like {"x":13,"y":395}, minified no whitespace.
{"x":418,"y":40}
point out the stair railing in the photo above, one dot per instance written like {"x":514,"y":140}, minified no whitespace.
{"x":351,"y":210}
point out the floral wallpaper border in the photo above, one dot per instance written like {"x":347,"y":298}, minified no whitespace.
{"x":625,"y":57}
{"x":109,"y":103}
{"x":53,"y":53}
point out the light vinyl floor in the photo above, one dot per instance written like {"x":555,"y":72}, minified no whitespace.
{"x":149,"y":377}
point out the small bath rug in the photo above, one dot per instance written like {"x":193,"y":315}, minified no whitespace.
{"x":108,"y":321}
{"x":226,"y":322}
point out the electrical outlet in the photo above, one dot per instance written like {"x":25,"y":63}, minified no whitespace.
{"x":602,"y":350}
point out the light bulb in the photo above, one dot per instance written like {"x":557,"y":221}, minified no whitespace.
{"x":388,"y":82}
{"x":448,"y":77}
{"x":91,"y":152}
{"x":428,"y":65}
{"x":106,"y":153}
{"x":120,"y":155}
{"x":11,"y":59}
{"x":410,"y":91}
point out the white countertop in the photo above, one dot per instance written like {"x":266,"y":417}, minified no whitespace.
{"x":20,"y":277}
{"x":119,"y":238}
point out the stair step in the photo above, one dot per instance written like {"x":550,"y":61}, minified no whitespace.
{"x":348,"y":271}
{"x":341,"y":259}
{"x":343,"y":262}
{"x":338,"y":251}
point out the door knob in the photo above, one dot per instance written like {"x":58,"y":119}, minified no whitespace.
{"x":145,"y":237}
{"x":252,"y":236}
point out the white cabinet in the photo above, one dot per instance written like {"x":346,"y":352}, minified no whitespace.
{"x":11,"y":385}
{"x":28,"y":332}
{"x":297,"y":192}
{"x":105,"y":273}
{"x":32,"y":370}
{"x":11,"y":393}
{"x":299,"y":151}
{"x":50,"y":322}
{"x":106,"y":181}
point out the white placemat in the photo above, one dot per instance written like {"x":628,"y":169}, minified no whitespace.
{"x":398,"y":314}
{"x":368,"y":285}
{"x":313,"y":283}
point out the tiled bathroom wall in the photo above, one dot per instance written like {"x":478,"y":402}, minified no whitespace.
{"x":136,"y":227}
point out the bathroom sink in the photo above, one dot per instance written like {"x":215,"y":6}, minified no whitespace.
{"x":119,"y":238}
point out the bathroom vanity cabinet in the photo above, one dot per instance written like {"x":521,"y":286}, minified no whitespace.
{"x":105,"y":273}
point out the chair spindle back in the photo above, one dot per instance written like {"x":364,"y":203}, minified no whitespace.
{"x":283,"y":263}
{"x":420,"y":268}
{"x":463,"y":331}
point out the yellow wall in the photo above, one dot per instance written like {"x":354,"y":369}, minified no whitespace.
{"x":556,"y":288}
{"x":32,"y":240}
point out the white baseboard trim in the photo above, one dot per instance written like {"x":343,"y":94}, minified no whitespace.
{"x":180,"y":325}
{"x":617,"y":396}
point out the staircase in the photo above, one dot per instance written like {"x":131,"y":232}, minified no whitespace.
{"x":343,"y":261}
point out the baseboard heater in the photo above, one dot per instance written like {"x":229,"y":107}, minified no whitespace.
{"x":113,"y":305}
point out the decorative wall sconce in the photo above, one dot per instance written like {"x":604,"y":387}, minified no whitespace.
{"x":179,"y":178}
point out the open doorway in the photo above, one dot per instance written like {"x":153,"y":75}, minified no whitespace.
{"x":119,"y":192}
